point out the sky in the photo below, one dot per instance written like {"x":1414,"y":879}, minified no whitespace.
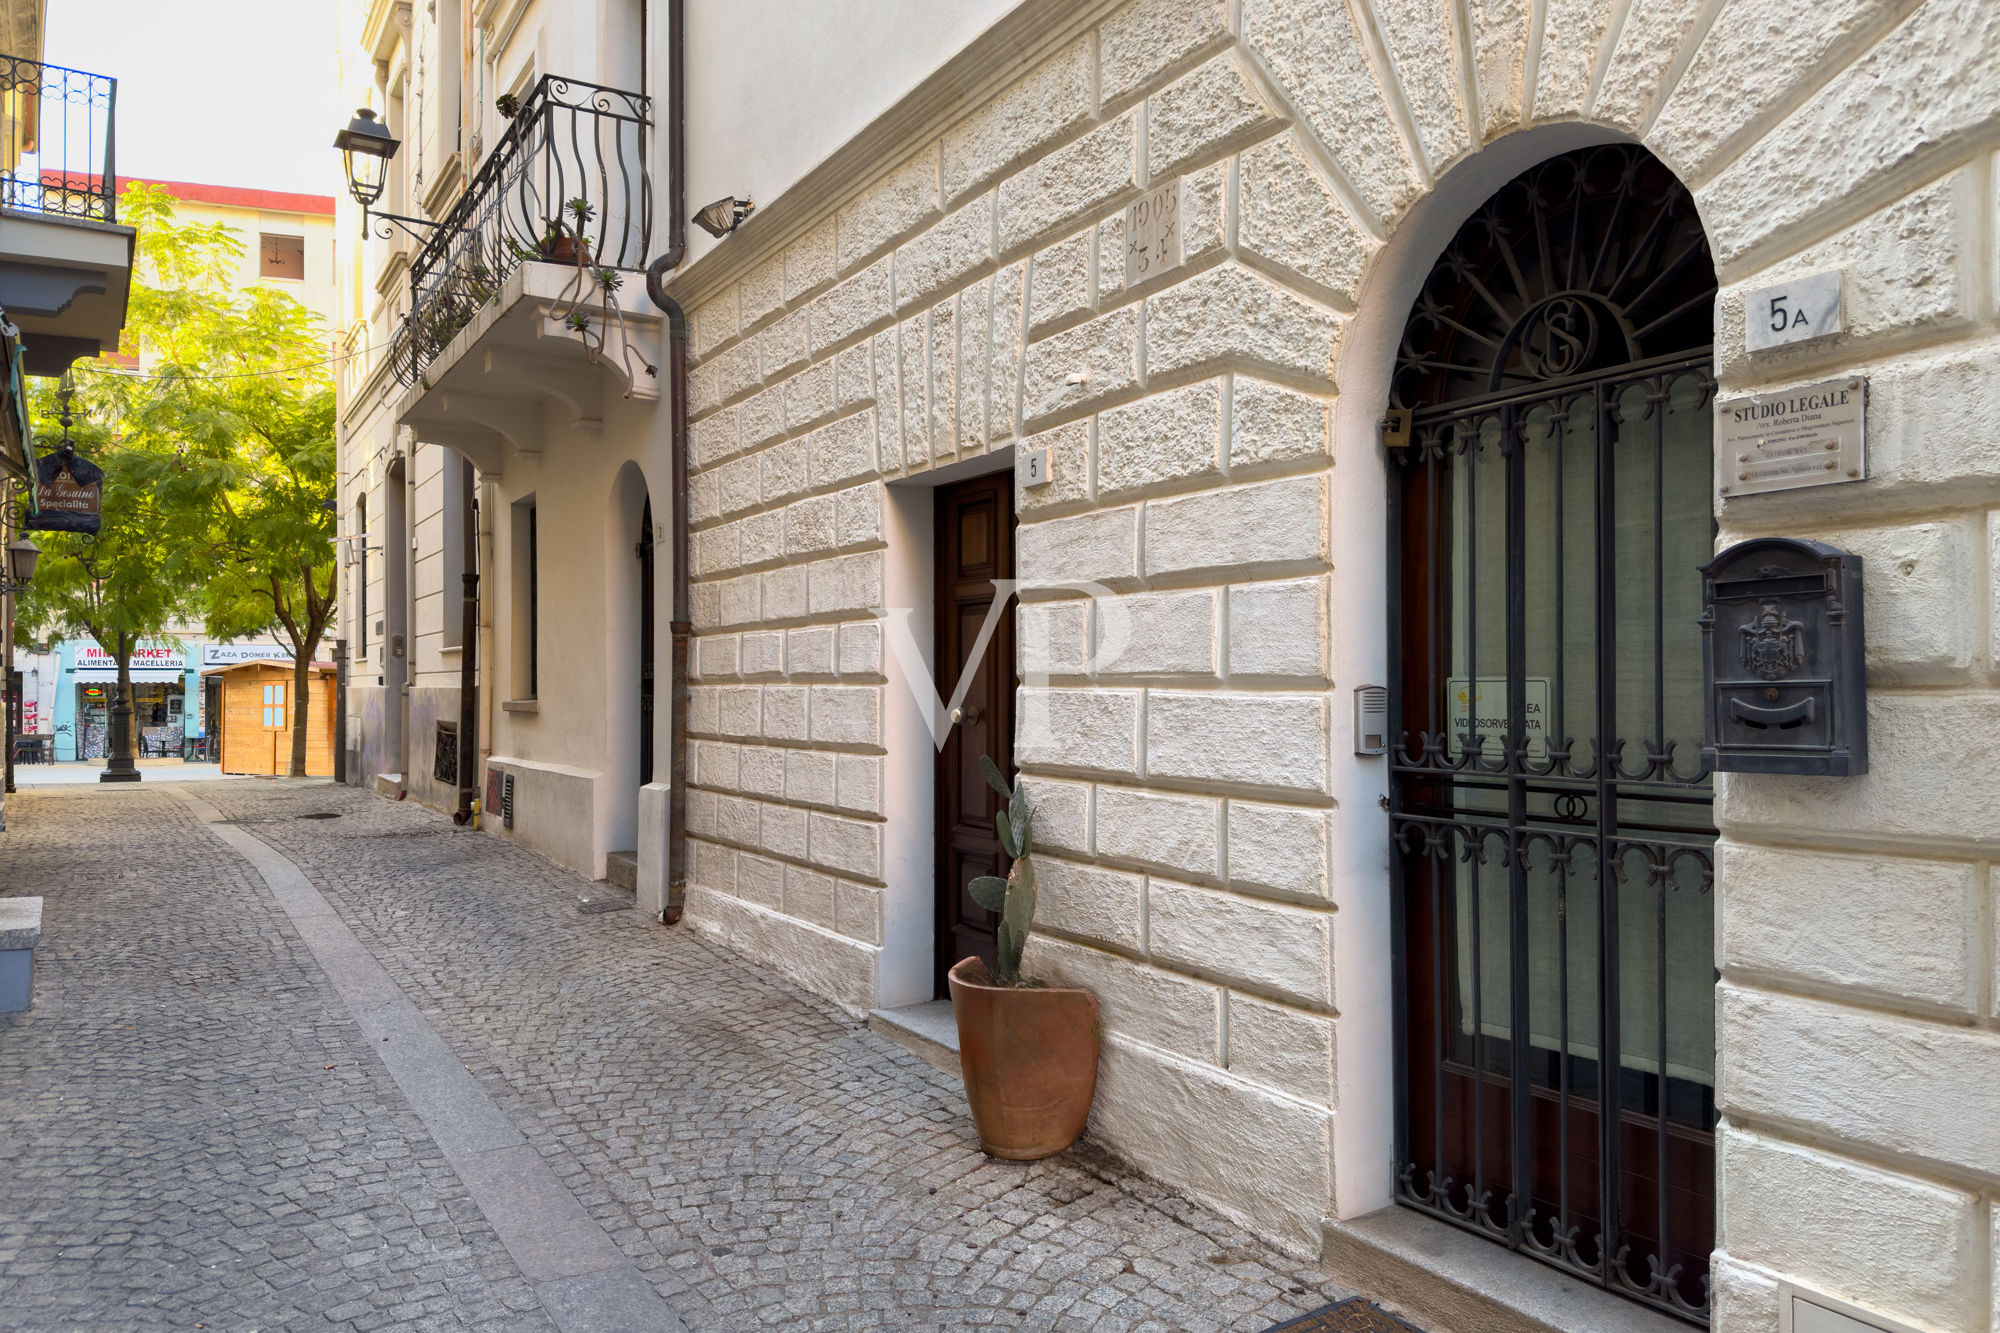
{"x":223,"y":92}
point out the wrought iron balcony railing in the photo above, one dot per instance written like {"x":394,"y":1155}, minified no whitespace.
{"x":58,"y":149}
{"x":569,"y":177}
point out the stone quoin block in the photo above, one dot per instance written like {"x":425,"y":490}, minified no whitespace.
{"x":854,"y":375}
{"x":704,"y":390}
{"x":1272,"y":426}
{"x":1059,"y":283}
{"x":739,"y":485}
{"x":974,"y":327}
{"x":760,"y":880}
{"x":1844,"y":1071}
{"x":1867,"y":1234}
{"x":1278,"y":849}
{"x":859,"y":509}
{"x":1089,"y":902}
{"x":809,"y":526}
{"x":761,"y":294}
{"x":809,"y":262}
{"x":740,"y":598}
{"x":1257,"y":740}
{"x":1886,"y":924}
{"x":1110,"y":278}
{"x":810,"y":651}
{"x":892,"y":206}
{"x":1036,"y":110}
{"x":1418,"y":34}
{"x":858,"y":784}
{"x":1862,"y":123}
{"x":704,"y":709}
{"x":1166,"y":439}
{"x":852,"y":846}
{"x":861,"y":649}
{"x":1099,"y":547}
{"x":737,"y":819}
{"x":701,"y":813}
{"x":1156,"y":634}
{"x":808,"y":895}
{"x":1264,"y":945}
{"x":846,"y":583}
{"x":1091,"y":730}
{"x":1068,"y":486}
{"x":1172,"y":1012}
{"x":809,"y":396}
{"x":1178,"y":833}
{"x":1312,"y":50}
{"x":1289,"y":216}
{"x":1104,"y":352}
{"x":782,"y":831}
{"x":1004,"y":348}
{"x":1281,"y":1047}
{"x":913,"y":377}
{"x":846,"y":714}
{"x":1230,"y":315}
{"x":704,"y":500}
{"x":713,"y":323}
{"x":764,"y":654}
{"x":851,"y":307}
{"x":857,"y":911}
{"x":1271,"y":526}
{"x":1278,"y":631}
{"x":739,"y":711}
{"x":714,"y":867}
{"x":737,"y":371}
{"x":763,"y":539}
{"x":717,"y":655}
{"x":784,"y":593}
{"x":1070,"y":184}
{"x":942,"y":427}
{"x":1061,"y":813}
{"x":1199,"y":116}
{"x":763,"y":419}
{"x":763,"y":772}
{"x":714,"y":437}
{"x":1204,"y":204}
{"x":844,"y":450}
{"x":716,"y":765}
{"x":785,"y":470}
{"x":782,"y":347}
{"x":1054,"y":639}
{"x":809,"y":776}
{"x":1652,"y":36}
{"x":785,"y":713}
{"x":1141,"y":42}
{"x":943,"y":256}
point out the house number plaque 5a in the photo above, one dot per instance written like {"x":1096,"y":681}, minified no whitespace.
{"x":1793,"y":311}
{"x":1153,"y":233}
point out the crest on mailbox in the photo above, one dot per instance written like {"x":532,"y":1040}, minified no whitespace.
{"x":1774,"y":644}
{"x":1783,"y":660}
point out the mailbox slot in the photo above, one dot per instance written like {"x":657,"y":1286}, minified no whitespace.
{"x":1783,"y":649}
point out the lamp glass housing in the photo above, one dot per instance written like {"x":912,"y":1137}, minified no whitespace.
{"x":21,"y":558}
{"x":366,"y":147}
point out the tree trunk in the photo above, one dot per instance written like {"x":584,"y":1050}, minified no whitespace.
{"x":301,"y":704}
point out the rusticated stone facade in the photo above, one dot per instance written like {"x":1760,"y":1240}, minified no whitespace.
{"x":1215,"y":859}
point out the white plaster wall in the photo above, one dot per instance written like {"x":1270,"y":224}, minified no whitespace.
{"x":1228,"y":899}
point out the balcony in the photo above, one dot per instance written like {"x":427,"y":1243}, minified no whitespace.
{"x":528,"y":293}
{"x":65,"y":263}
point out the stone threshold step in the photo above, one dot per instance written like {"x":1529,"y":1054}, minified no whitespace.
{"x":622,"y":869}
{"x":928,"y":1031}
{"x":1452,"y":1282}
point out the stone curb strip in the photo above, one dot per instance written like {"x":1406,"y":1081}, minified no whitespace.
{"x":583,"y":1280}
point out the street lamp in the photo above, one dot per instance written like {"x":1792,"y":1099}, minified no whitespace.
{"x":21,"y":558}
{"x":366,"y":147}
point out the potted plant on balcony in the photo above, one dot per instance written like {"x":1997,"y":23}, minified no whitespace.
{"x":1028,"y":1050}
{"x":564,"y":242}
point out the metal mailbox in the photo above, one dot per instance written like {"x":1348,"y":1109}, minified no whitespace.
{"x":1782,"y":659}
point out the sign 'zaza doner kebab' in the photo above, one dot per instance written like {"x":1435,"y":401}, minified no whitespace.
{"x":1808,"y":436}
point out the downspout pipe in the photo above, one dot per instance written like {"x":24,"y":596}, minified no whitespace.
{"x":680,"y":626}
{"x":468,"y":648}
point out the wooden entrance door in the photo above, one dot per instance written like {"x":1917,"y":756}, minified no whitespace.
{"x":975,"y":546}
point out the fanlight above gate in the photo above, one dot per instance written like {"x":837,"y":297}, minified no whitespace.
{"x":1591,"y":260}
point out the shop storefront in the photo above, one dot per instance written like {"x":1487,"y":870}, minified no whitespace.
{"x":170,"y":715}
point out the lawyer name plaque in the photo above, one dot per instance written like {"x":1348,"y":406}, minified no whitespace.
{"x":1809,"y":436}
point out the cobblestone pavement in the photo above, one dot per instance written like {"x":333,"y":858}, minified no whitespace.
{"x":765,"y":1161}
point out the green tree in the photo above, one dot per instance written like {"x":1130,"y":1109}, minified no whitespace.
{"x":229,"y":432}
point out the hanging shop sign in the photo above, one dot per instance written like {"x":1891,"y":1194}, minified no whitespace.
{"x":68,"y":493}
{"x":1809,"y":436}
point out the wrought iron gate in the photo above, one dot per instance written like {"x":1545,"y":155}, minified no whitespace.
{"x":1551,"y":502}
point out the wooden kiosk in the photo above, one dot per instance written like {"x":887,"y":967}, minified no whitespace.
{"x":256,"y":718}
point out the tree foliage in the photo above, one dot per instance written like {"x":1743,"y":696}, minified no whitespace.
{"x":219,"y":455}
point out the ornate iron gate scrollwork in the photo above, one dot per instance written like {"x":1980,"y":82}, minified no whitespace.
{"x":1551,"y":820}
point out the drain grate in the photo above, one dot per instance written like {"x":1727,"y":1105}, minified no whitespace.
{"x":1354,"y":1315}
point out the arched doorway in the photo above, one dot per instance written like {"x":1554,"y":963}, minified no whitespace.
{"x":1552,"y":830}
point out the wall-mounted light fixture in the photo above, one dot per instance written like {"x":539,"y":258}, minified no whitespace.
{"x":724,"y":216}
{"x":366,"y":148}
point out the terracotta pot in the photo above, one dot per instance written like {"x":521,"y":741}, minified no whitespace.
{"x":1029,"y":1056}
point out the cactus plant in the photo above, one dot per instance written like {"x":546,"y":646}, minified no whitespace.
{"x":1013,"y":897}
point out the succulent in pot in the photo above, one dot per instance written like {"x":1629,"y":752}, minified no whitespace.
{"x":1028,"y":1051}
